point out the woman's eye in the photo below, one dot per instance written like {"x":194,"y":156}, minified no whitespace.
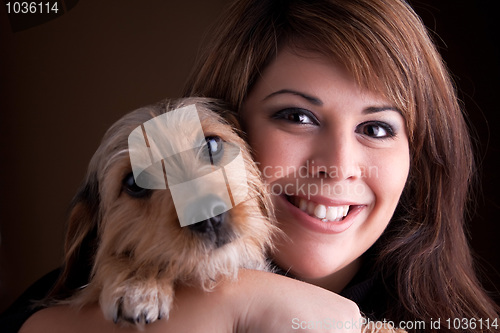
{"x":214,"y":149}
{"x":296,"y":115}
{"x":377,"y":130}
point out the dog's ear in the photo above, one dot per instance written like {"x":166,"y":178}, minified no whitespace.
{"x":224,"y":110}
{"x":81,"y":240}
{"x":232,"y":118}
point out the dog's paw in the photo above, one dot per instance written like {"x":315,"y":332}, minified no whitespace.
{"x":137,"y":302}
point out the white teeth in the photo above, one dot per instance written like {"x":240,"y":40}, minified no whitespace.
{"x":303,"y":205}
{"x":346,"y":210}
{"x":331,"y":213}
{"x":322,"y":212}
{"x":310,"y":207}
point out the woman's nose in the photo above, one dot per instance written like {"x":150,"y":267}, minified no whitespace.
{"x":336,"y":155}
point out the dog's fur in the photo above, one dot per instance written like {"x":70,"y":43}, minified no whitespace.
{"x":132,"y":243}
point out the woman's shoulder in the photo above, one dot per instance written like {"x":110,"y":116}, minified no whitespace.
{"x":53,"y":318}
{"x":64,"y":318}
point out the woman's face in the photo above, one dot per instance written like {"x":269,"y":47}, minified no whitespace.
{"x":336,"y":158}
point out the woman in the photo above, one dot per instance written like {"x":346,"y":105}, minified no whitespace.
{"x":350,"y":111}
{"x":422,"y":256}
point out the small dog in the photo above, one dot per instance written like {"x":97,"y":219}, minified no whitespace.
{"x":129,"y":238}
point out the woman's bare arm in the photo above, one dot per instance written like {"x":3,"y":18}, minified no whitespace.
{"x":257,"y":302}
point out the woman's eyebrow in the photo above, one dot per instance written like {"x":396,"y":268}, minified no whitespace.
{"x":375,"y":109}
{"x":311,"y":99}
{"x":317,"y":101}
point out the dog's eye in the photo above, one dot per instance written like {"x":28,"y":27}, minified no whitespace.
{"x":132,"y":189}
{"x":215,"y":149}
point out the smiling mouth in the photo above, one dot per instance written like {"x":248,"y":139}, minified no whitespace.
{"x":319,"y":211}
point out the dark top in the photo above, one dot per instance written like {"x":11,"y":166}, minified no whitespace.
{"x":366,"y":289}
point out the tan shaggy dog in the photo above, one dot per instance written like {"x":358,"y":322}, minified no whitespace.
{"x":127,"y":240}
{"x":125,"y":247}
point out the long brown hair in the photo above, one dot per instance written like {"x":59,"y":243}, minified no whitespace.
{"x":423,"y":255}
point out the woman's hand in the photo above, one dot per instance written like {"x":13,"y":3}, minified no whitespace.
{"x":257,"y":302}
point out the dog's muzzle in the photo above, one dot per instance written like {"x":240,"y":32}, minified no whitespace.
{"x":214,"y":230}
{"x":164,"y":147}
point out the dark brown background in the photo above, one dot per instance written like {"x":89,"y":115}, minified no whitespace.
{"x":64,"y":82}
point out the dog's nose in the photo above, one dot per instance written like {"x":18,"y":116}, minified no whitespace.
{"x":210,"y":211}
{"x":208,"y":225}
{"x":213,"y":227}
